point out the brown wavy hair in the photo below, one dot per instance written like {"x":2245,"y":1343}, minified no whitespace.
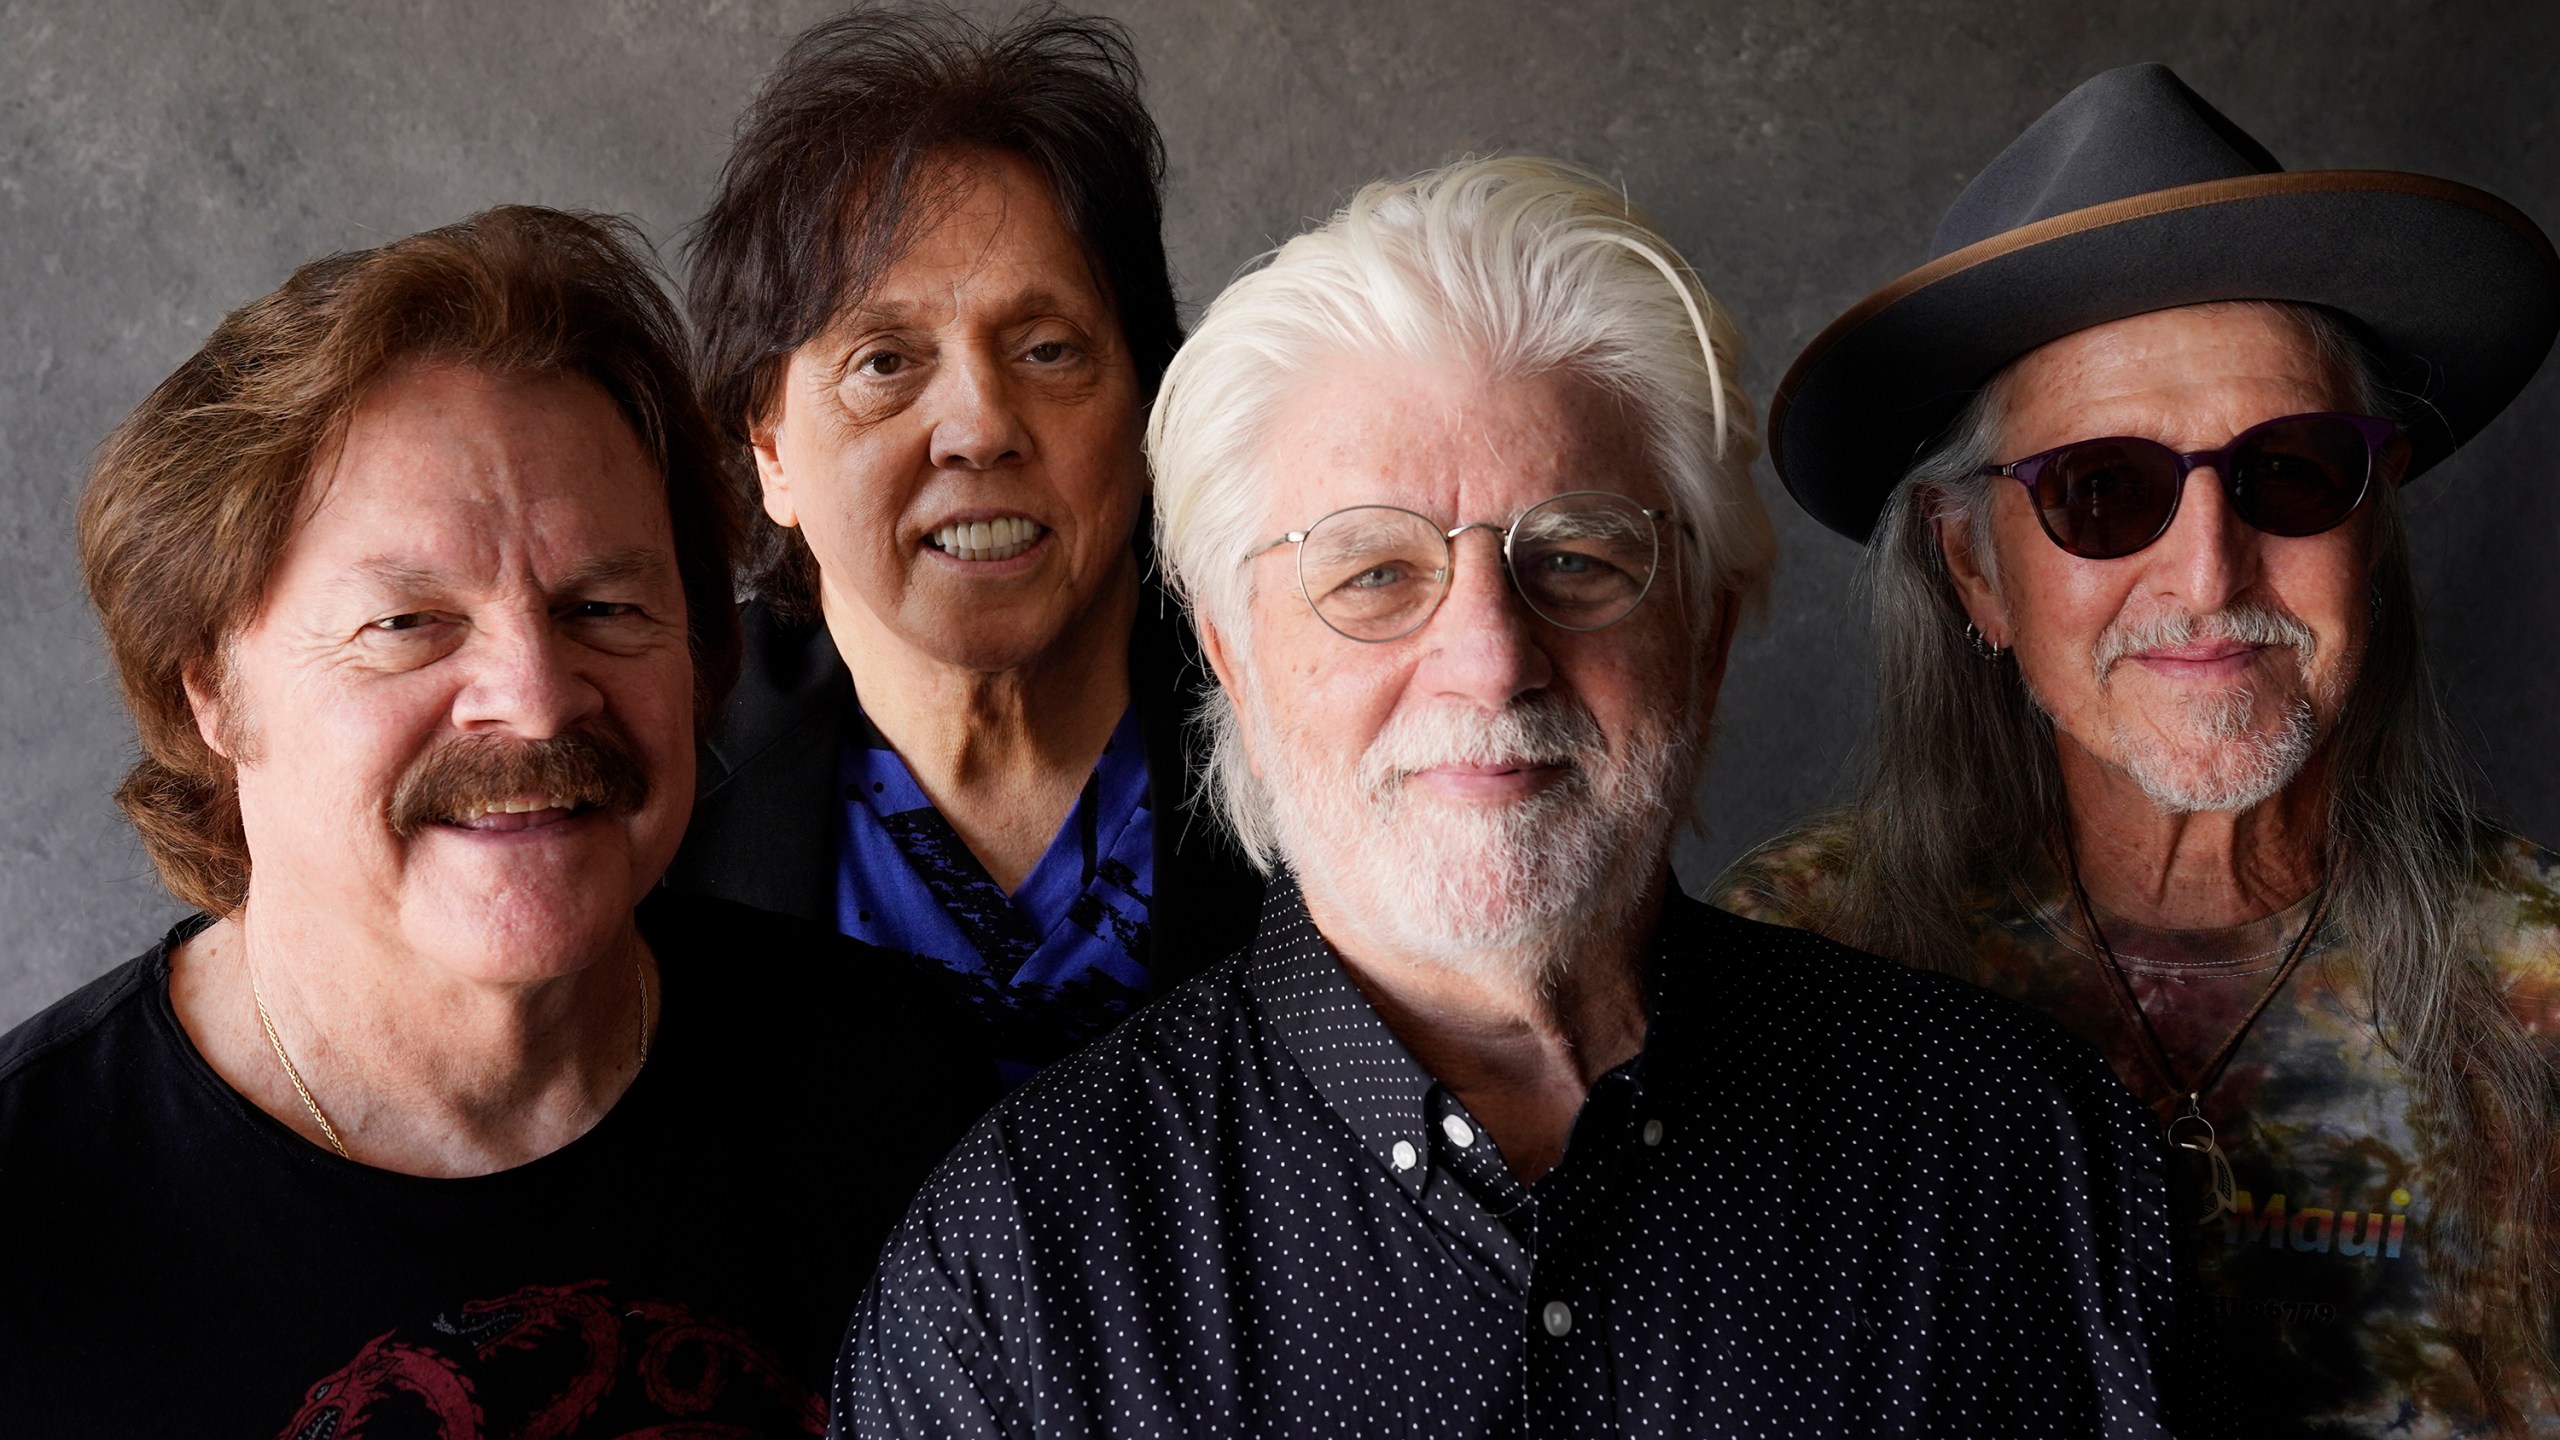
{"x":194,"y":497}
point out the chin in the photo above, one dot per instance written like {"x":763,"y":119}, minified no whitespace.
{"x":2221,"y":765}
{"x":539,"y":928}
{"x":1503,"y":889}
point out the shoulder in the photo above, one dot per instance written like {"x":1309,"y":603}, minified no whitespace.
{"x":1154,"y":1085}
{"x":90,"y":1039}
{"x":728,"y":953}
{"x":1788,"y":879}
{"x":800,"y":994}
{"x":2516,"y":909}
{"x":810,"y":1029}
{"x":789,"y":677}
{"x":1834,"y":1015}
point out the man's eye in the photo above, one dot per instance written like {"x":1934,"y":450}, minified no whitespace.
{"x":393,"y":624}
{"x":600,"y":610}
{"x":1049,"y":352}
{"x":880,"y":364}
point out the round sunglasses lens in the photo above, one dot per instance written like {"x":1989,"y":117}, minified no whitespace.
{"x":1373,"y":572}
{"x":2107,"y":498}
{"x":2300,"y":476}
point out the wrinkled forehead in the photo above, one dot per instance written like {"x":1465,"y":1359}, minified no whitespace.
{"x":2190,"y":377}
{"x":445,"y":471}
{"x":1449,"y":442}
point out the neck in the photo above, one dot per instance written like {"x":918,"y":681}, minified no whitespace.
{"x":1517,"y":1037}
{"x":1002,"y":752}
{"x":2203,"y":871}
{"x":419,"y":1070}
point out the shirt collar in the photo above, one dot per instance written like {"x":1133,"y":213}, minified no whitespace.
{"x":1368,"y":1077}
{"x":1354,"y":1061}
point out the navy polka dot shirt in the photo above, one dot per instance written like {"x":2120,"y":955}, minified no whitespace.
{"x":1832,"y":1196}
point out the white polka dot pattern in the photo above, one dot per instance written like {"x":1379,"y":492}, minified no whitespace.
{"x":1832,"y":1197}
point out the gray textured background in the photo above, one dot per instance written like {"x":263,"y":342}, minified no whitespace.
{"x":162,"y":161}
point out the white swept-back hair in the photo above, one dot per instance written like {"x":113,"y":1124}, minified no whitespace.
{"x":1509,"y":266}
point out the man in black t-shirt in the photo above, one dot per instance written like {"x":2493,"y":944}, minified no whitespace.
{"x":438,"y":1121}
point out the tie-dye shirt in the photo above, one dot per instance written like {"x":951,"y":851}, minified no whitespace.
{"x":2315,"y":1286}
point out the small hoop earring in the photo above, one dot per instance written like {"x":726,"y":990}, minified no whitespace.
{"x":1981,"y":646}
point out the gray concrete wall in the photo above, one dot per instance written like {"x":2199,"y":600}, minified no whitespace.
{"x":162,"y":161}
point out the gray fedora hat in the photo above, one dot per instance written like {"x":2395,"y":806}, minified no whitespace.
{"x":2132,"y":195}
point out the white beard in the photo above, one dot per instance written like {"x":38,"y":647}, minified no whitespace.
{"x":2233,"y":769}
{"x":1506,"y":888}
{"x":2220,"y":763}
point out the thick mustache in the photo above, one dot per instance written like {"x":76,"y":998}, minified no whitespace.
{"x":596,"y":767}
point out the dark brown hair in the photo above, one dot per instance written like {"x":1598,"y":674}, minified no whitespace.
{"x":195,"y":496}
{"x":822,"y":195}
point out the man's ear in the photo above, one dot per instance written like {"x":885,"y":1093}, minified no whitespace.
{"x":204,"y":699}
{"x":764,"y":442}
{"x":1229,"y":668}
{"x":1974,"y":585}
{"x":1213,"y":648}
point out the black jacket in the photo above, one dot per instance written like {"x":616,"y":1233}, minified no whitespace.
{"x":764,"y":819}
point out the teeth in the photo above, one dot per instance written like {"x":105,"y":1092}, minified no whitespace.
{"x":522,"y":805}
{"x":998,"y":539}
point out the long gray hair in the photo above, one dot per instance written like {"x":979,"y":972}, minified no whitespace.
{"x":1965,"y":793}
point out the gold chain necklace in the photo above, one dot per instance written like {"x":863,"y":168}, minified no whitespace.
{"x":267,"y":1023}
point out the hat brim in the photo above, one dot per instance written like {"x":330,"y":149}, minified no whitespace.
{"x":2458,"y":290}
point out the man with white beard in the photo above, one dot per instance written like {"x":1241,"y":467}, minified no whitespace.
{"x":2156,"y":751}
{"x":1492,"y":1131}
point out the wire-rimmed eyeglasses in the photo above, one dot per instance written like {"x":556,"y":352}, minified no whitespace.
{"x":1580,"y":561}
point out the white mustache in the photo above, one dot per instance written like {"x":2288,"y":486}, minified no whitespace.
{"x":2244,"y":623}
{"x":1540,"y":728}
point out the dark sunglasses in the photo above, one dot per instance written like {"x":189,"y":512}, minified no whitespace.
{"x":2297,"y":475}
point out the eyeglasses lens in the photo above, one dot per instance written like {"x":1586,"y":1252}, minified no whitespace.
{"x":2108,"y":497}
{"x":1583,"y":561}
{"x":2299,"y":476}
{"x":1373,"y":572}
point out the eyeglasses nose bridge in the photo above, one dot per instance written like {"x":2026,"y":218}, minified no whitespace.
{"x":1502,"y":543}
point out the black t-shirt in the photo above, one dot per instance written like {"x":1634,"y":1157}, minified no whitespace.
{"x":175,"y":1262}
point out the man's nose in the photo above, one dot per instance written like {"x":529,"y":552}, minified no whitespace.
{"x":977,"y":420}
{"x":1482,"y":643}
{"x":2210,"y":554}
{"x":523,"y":679}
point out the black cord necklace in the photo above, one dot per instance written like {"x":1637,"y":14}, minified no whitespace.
{"x":2189,"y":1130}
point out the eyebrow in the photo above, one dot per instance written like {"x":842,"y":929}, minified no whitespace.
{"x":631,"y":564}
{"x":401,"y":577}
{"x":874,"y":315}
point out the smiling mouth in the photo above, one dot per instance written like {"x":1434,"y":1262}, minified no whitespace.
{"x":985,"y":540}
{"x":522,"y":812}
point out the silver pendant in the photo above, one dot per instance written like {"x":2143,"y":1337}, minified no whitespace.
{"x":2192,"y":1132}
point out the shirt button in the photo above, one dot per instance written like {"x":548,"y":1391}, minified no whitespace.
{"x":1457,"y":1131}
{"x":1557,"y":1317}
{"x":1404,"y":1155}
{"x":1653,"y":1132}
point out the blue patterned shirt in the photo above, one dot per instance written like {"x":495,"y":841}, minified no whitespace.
{"x":1049,"y":967}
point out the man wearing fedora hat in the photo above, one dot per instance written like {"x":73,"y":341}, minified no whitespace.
{"x":2156,"y":749}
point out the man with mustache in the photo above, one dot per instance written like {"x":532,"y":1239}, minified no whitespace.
{"x":437,"y":1119}
{"x":2155,"y":749}
{"x":1491,"y":1131}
